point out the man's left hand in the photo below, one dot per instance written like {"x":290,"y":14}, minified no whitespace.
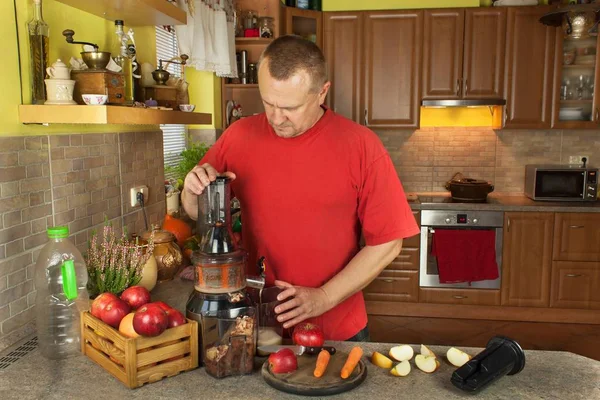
{"x":302,"y":303}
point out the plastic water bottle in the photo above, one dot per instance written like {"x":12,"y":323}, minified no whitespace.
{"x":60,"y":280}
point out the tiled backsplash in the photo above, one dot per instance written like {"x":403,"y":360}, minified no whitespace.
{"x":77,"y":180}
{"x":427,"y":158}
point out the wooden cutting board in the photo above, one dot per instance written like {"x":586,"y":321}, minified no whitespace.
{"x":303,"y":382}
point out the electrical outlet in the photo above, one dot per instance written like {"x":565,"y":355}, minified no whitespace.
{"x":577,"y":160}
{"x":133,"y":195}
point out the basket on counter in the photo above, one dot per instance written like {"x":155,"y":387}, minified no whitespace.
{"x":136,"y":361}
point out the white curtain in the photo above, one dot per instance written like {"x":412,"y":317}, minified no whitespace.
{"x":209,"y":36}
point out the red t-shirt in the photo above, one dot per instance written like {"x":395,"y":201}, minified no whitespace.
{"x":305,"y":199}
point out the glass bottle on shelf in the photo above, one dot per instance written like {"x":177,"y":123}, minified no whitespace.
{"x":39,"y":43}
{"x":123,"y":59}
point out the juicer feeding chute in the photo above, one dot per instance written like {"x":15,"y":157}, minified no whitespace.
{"x":214,"y":218}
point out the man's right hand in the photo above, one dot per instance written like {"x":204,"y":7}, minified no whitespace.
{"x":194,"y":184}
{"x":200,"y":177}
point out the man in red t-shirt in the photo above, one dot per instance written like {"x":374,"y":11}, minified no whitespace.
{"x":309,"y":183}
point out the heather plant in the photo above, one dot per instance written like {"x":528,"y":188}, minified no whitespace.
{"x":114,"y":262}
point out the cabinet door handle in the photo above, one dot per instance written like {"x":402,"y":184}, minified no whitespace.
{"x":508,"y":225}
{"x":457,"y":86}
{"x":505,"y":117}
{"x":366,"y":117}
{"x":596,"y":115}
{"x":574,"y":275}
{"x":466,"y":87}
{"x":576,"y":226}
{"x":458,"y":297}
{"x":388,"y":280}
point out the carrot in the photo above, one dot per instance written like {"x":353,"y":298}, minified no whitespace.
{"x":353,"y":358}
{"x":322,"y":361}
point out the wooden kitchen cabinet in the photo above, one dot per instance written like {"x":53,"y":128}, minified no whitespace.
{"x":393,"y":42}
{"x":343,"y":47}
{"x":463,"y":53}
{"x":305,"y":23}
{"x":527,"y":258}
{"x":575,"y":285}
{"x":529,"y":67}
{"x":576,"y":237}
{"x":576,"y":71}
{"x":443,"y":53}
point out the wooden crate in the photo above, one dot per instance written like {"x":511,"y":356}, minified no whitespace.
{"x":99,"y":82}
{"x":141,"y":360}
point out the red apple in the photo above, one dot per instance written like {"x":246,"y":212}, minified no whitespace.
{"x":100,"y":303}
{"x":114,"y":312}
{"x":162,"y":305}
{"x":283,"y":361}
{"x":307,"y":334}
{"x":176,"y":318}
{"x":150,"y":320}
{"x":136,"y":296}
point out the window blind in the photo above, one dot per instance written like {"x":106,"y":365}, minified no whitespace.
{"x":174,"y":140}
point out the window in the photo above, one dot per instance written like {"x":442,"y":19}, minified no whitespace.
{"x":174,"y":141}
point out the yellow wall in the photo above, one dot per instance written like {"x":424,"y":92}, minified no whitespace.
{"x":58,"y":16}
{"x":205,"y":93}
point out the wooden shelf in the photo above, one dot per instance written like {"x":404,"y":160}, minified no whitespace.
{"x":132,"y":12}
{"x":81,"y":114}
{"x":252,"y":40}
{"x":573,"y":66}
{"x":574,"y":102}
{"x":241,"y":85}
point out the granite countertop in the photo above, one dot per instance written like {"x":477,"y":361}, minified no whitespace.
{"x":547,"y":375}
{"x":498,"y":202}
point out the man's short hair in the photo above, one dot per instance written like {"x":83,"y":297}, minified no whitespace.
{"x":290,"y":54}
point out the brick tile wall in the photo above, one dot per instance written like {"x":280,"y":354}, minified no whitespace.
{"x":75,"y":180}
{"x":427,"y":158}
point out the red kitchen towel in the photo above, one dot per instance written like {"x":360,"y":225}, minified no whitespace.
{"x":465,"y":255}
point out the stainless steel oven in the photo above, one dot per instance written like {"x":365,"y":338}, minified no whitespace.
{"x":432,"y":220}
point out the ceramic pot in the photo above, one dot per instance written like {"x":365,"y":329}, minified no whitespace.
{"x":168,"y":255}
{"x":468,"y":190}
{"x":149,"y":274}
{"x":59,"y":91}
{"x":59,"y":70}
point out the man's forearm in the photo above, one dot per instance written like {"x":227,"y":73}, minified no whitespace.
{"x":366,"y":265}
{"x":190,"y":204}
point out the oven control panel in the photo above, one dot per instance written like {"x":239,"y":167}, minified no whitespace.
{"x":462,"y":218}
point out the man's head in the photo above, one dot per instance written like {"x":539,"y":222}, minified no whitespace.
{"x":292,"y":79}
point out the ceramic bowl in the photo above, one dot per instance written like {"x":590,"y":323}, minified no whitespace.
{"x":187,"y":107}
{"x":94,"y":99}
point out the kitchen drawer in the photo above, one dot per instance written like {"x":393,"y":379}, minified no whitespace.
{"x":394,"y":286}
{"x":408,"y":259}
{"x":576,"y":237}
{"x":575,"y":285}
{"x":478,"y":297}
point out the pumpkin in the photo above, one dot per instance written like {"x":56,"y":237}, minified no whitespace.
{"x":177,"y":227}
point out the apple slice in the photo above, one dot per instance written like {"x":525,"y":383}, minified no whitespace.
{"x":426,"y":351}
{"x":381,"y":361}
{"x":401,"y":369}
{"x":457,"y":357}
{"x":427,"y":364}
{"x":402,"y":353}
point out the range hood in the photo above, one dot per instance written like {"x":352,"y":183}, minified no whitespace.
{"x":463,"y":103}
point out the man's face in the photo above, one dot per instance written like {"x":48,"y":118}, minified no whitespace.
{"x":291,"y":107}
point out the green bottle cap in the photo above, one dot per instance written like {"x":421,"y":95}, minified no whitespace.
{"x":58,"y":232}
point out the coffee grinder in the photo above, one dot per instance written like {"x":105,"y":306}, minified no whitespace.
{"x":226,"y":314}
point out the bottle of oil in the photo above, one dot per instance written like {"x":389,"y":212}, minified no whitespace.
{"x":38,"y":53}
{"x":125,"y":62}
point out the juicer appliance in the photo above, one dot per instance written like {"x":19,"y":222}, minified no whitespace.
{"x":226,"y":313}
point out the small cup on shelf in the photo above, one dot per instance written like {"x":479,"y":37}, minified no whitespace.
{"x":94,"y":99}
{"x":187,"y":107}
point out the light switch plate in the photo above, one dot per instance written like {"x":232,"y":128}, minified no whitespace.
{"x":133,"y":195}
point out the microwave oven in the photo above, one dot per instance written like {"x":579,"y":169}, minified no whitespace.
{"x":561,"y":183}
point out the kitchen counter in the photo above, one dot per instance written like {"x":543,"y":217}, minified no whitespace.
{"x":443,"y":201}
{"x":547,"y":375}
